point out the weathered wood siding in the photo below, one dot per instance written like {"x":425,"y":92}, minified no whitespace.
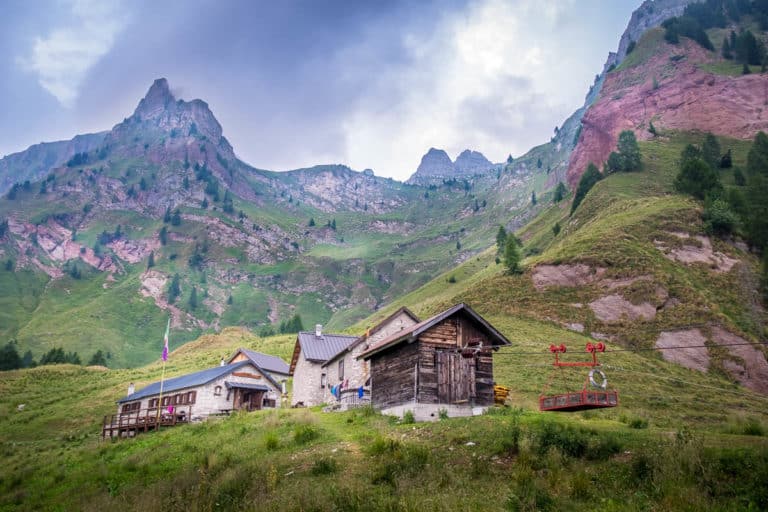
{"x":393,"y":375}
{"x":357,"y":371}
{"x":445,"y":378}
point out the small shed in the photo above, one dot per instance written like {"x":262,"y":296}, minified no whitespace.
{"x":442,"y":363}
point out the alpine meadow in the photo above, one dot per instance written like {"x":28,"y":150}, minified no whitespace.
{"x":580,"y":325}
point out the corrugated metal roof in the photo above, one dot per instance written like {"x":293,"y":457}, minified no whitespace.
{"x":267,"y":362}
{"x":185,"y":381}
{"x":324,"y":347}
{"x":415,"y":330}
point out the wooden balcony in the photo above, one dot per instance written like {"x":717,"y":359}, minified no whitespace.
{"x":129,"y":424}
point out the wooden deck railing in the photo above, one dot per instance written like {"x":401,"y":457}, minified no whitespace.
{"x":129,"y":424}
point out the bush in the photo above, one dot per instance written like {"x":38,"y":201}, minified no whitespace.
{"x":638,"y":423}
{"x":697,"y":178}
{"x":719,"y":219}
{"x":303,"y":434}
{"x":271,"y":441}
{"x":324,"y":466}
{"x":408,"y":418}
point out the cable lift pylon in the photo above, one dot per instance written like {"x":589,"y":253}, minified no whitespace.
{"x":595,"y":393}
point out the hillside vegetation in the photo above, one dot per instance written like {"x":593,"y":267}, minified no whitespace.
{"x":681,"y":439}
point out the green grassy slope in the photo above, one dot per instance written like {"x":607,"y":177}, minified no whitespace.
{"x":515,"y":459}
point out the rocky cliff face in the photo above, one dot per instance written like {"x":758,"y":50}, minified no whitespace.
{"x":471,"y":162}
{"x":436,"y":165}
{"x":652,"y":13}
{"x":37,"y":161}
{"x":671,"y":90}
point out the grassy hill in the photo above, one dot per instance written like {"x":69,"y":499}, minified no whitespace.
{"x":681,"y":439}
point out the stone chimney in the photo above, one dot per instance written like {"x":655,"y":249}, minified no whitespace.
{"x":318,"y":330}
{"x":131,"y":389}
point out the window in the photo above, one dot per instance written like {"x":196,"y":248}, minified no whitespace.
{"x":217,"y":391}
{"x":166,"y":401}
{"x":152,"y":403}
{"x":323,"y":380}
{"x":191,"y":397}
{"x":135,"y":406}
{"x":341,"y":369}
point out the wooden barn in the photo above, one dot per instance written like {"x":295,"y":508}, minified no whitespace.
{"x":443,"y":363}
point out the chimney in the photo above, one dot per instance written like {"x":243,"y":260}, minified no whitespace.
{"x":318,"y":330}
{"x":131,"y":389}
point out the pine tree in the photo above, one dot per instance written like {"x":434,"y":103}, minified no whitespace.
{"x":167,"y":215}
{"x":163,"y":235}
{"x":501,"y":239}
{"x":176,"y":217}
{"x":193,"y":298}
{"x":587,"y":181}
{"x":311,"y":222}
{"x":710,"y":150}
{"x":151,"y":260}
{"x":512,"y":256}
{"x":556,"y":229}
{"x":98,"y":359}
{"x":629,"y":151}
{"x":727,"y":54}
{"x":9,"y":357}
{"x":533,"y":198}
{"x":560,"y":192}
{"x":697,"y":178}
{"x":174,"y":290}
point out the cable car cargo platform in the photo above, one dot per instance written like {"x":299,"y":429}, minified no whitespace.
{"x":579,"y":400}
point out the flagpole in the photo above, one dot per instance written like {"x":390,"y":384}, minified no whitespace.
{"x":162,"y":376}
{"x":160,"y":399}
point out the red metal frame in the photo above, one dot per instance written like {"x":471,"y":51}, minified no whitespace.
{"x":578,"y":400}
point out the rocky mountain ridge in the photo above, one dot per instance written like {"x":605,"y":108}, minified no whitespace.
{"x":436,"y":166}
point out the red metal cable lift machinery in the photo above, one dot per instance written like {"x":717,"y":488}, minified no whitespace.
{"x":595,"y":393}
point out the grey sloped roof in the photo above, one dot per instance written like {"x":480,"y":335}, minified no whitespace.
{"x":185,"y":381}
{"x":266,"y":362}
{"x":322,"y":348}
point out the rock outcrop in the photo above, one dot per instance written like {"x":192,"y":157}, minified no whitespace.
{"x":471,"y":162}
{"x":437,"y":165}
{"x":671,"y":90}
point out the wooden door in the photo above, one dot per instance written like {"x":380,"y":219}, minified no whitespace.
{"x":455,"y":378}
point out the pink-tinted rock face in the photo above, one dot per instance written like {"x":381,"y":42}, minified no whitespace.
{"x":673,"y":94}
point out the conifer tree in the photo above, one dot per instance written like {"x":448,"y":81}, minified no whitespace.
{"x":512,"y":256}
{"x":587,"y":181}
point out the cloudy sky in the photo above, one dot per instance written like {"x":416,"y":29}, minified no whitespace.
{"x":297,"y":83}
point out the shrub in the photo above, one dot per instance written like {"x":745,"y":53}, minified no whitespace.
{"x":408,"y":418}
{"x":324,"y":466}
{"x":271,"y":441}
{"x":303,"y":434}
{"x":638,"y":423}
{"x":719,"y":219}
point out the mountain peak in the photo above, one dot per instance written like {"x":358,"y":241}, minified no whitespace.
{"x":471,"y":162}
{"x":158,"y":98}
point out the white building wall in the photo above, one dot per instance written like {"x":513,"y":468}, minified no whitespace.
{"x":207,"y":401}
{"x":306,"y":383}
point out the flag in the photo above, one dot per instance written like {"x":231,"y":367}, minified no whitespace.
{"x":165,"y":339}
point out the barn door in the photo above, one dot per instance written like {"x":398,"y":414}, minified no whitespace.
{"x":455,"y":378}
